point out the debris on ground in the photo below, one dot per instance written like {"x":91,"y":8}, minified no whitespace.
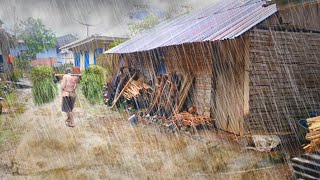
{"x":265,"y":143}
{"x":190,"y":120}
{"x":314,"y":135}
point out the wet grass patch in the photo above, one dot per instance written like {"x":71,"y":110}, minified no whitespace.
{"x":9,"y":133}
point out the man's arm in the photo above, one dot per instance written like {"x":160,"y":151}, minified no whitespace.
{"x":63,"y":83}
{"x":76,"y":82}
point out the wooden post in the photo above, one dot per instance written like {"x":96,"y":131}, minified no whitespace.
{"x":122,"y":91}
{"x":246,"y":83}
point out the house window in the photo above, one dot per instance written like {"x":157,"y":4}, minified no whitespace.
{"x":160,"y":65}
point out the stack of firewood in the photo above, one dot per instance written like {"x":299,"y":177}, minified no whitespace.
{"x":134,"y":89}
{"x":313,"y":135}
{"x":191,"y":120}
{"x":170,"y":94}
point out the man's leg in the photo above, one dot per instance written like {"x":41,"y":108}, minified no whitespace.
{"x":68,"y":119}
{"x":71,"y":120}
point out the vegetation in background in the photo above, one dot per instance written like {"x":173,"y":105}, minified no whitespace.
{"x":92,"y":83}
{"x":62,"y":69}
{"x":116,"y":43}
{"x":15,"y":75}
{"x":139,"y":27}
{"x":36,"y":37}
{"x":22,"y":62}
{"x":44,"y":90}
{"x":6,"y":88}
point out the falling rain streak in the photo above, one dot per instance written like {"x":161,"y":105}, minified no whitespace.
{"x":151,"y":89}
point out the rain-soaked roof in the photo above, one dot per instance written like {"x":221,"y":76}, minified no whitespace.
{"x":226,"y":19}
{"x":90,"y":40}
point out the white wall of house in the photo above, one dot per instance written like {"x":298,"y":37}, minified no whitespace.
{"x":66,"y":57}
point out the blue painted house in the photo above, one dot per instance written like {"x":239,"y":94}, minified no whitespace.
{"x":50,"y":57}
{"x":86,"y":50}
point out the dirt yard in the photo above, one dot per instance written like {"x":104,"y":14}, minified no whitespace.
{"x":36,"y":144}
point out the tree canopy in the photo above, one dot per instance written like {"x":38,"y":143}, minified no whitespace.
{"x":36,"y":37}
{"x":139,"y":27}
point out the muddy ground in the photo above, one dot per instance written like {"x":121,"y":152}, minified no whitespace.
{"x":36,"y":144}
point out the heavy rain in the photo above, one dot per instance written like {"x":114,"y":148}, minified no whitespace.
{"x":159,"y":89}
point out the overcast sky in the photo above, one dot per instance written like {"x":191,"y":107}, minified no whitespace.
{"x":109,"y":17}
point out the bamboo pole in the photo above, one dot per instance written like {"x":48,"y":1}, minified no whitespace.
{"x":65,"y":74}
{"x":122,"y":91}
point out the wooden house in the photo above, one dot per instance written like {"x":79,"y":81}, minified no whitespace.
{"x":50,"y":57}
{"x":253,"y":73}
{"x":86,"y":50}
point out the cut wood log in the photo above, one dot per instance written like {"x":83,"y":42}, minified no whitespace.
{"x":313,"y":135}
{"x":185,"y":88}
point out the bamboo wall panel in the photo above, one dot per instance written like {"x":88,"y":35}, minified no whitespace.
{"x":195,"y":59}
{"x":303,"y":16}
{"x":284,"y":80}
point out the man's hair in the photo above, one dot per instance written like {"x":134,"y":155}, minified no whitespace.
{"x":68,"y":70}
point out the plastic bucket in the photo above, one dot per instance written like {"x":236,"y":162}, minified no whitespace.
{"x":313,"y":114}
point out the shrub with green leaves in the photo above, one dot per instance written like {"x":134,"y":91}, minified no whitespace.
{"x":15,"y":75}
{"x":92,"y":83}
{"x":44,"y":90}
{"x":62,"y":69}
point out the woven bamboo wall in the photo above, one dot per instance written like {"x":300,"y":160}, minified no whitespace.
{"x":195,"y":58}
{"x":141,"y":61}
{"x":305,"y":16}
{"x":284,"y":80}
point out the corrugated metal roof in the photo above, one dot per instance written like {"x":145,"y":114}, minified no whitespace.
{"x":66,"y":39}
{"x":89,"y":40}
{"x":227,"y":19}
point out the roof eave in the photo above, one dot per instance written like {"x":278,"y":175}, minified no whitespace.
{"x":90,"y":39}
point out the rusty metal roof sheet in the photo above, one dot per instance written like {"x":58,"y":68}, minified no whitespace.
{"x":227,"y":19}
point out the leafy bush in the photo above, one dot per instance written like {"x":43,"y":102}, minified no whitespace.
{"x":15,"y":75}
{"x":92,"y":83}
{"x":6,"y":88}
{"x":62,"y":69}
{"x":116,"y":43}
{"x":139,"y":27}
{"x":44,"y":90}
{"x":22,"y":62}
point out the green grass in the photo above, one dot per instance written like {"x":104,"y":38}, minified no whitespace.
{"x":13,"y":103}
{"x":8,"y":133}
{"x":44,"y":90}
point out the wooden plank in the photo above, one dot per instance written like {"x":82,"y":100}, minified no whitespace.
{"x":246,"y":81}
